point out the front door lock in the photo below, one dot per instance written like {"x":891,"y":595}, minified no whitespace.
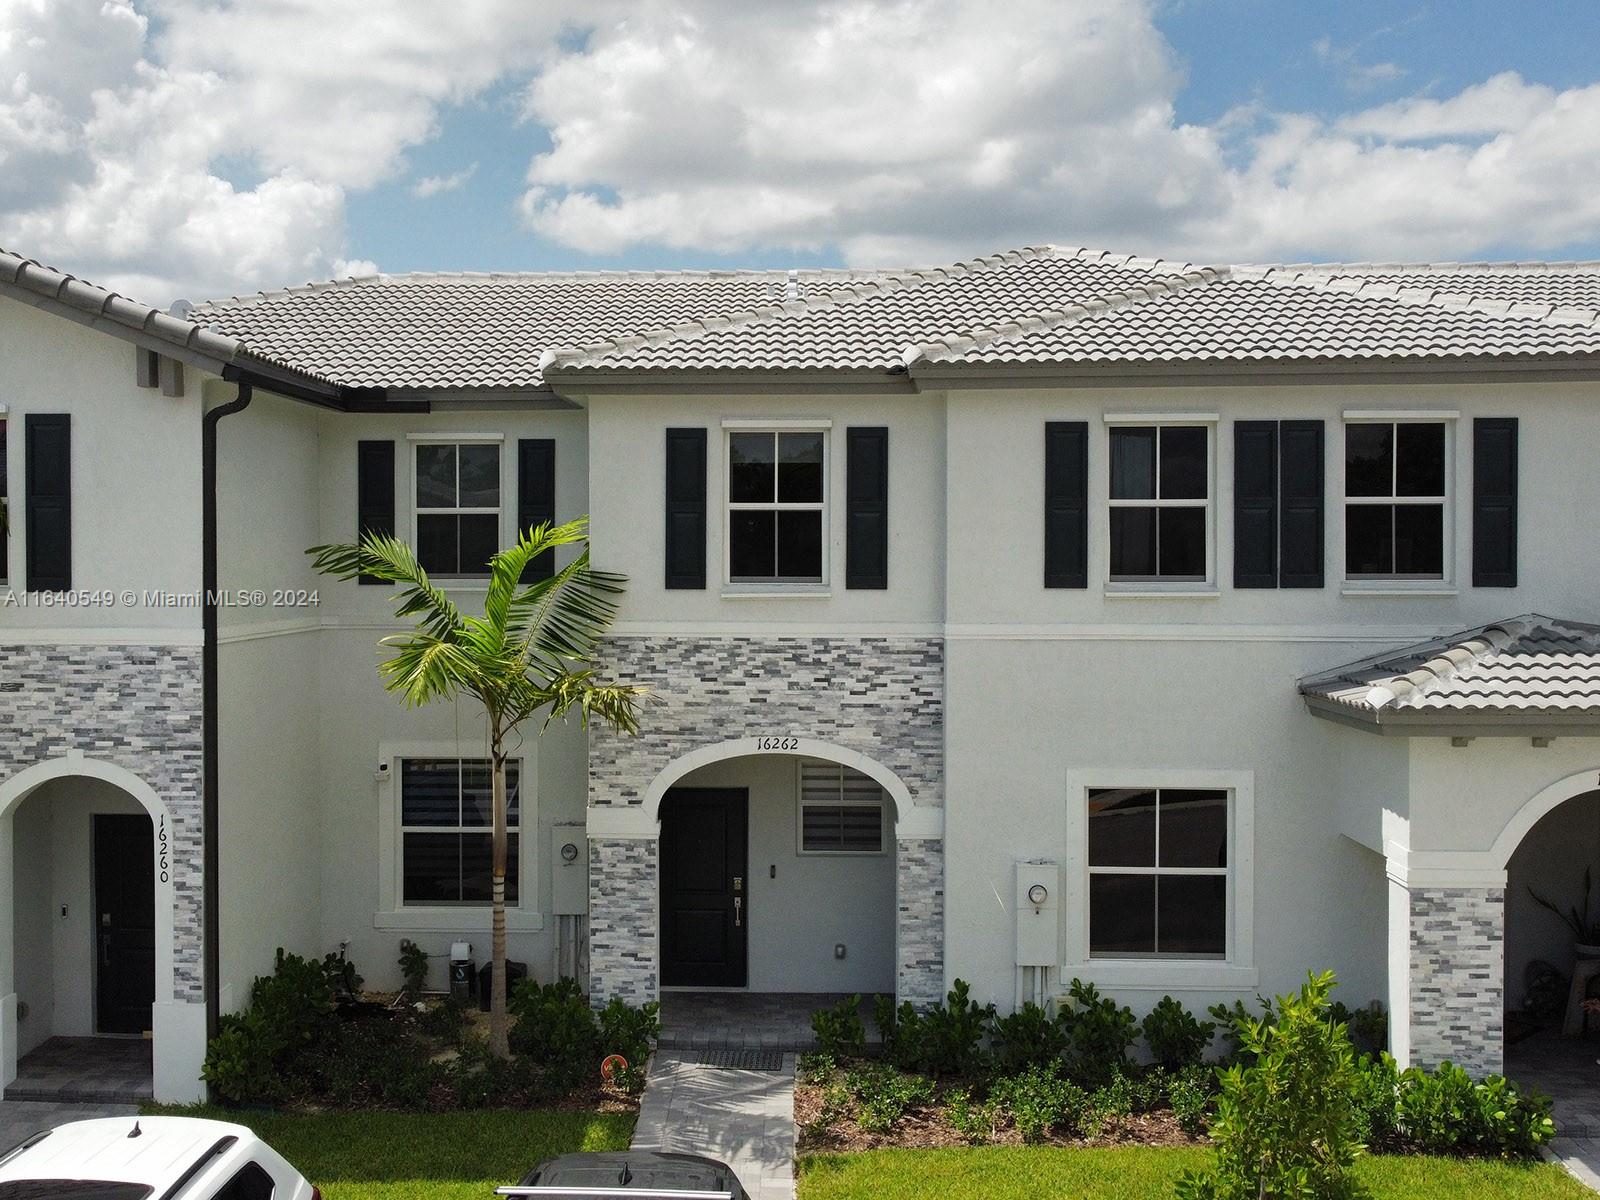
{"x":738,"y":883}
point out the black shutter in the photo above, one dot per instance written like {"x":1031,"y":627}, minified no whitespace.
{"x":686,"y":508}
{"x":1255,"y":504}
{"x":47,"y":468}
{"x":1494,"y":502}
{"x":866,"y":551}
{"x":536,"y":497}
{"x":1300,"y":504}
{"x":374,"y":492}
{"x":1066,"y":504}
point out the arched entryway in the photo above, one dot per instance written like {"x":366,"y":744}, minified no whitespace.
{"x":86,"y":958}
{"x":772,"y":865}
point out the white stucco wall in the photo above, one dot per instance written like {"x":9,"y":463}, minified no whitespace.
{"x":802,"y":905}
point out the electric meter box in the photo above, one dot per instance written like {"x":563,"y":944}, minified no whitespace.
{"x":1038,"y":914}
{"x":569,"y":870}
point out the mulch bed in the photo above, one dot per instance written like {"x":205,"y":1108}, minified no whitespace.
{"x":925,"y":1128}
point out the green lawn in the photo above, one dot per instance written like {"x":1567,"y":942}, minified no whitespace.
{"x":422,"y":1156}
{"x":1137,"y":1173}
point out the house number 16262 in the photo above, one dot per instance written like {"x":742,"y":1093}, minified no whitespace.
{"x":777,"y":743}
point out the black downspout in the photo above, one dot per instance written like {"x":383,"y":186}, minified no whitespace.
{"x":208,"y":700}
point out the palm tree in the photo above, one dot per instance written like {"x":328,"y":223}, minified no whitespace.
{"x":533,"y":649}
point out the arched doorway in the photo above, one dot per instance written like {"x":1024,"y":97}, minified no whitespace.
{"x":86,"y":956}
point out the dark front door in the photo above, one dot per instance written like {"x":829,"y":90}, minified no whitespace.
{"x":124,"y":923}
{"x":704,"y":887}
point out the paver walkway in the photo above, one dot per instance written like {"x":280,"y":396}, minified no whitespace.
{"x":1565,"y":1070}
{"x":84,"y":1070}
{"x":20,"y":1118}
{"x":747,"y":1020}
{"x":743,"y":1118}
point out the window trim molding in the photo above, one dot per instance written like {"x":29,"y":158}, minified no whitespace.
{"x":1444,"y":584}
{"x":1157,"y":586}
{"x":1169,"y":972}
{"x":413,"y":510}
{"x":392,"y":912}
{"x":882,"y":804}
{"x":745,"y":588}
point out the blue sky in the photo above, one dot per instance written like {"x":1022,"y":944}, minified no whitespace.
{"x":202,"y":147}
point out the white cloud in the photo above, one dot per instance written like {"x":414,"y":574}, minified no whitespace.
{"x":433,"y":185}
{"x":209,"y":146}
{"x":1356,"y":75}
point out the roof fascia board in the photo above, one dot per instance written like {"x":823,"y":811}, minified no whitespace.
{"x":485,"y":399}
{"x":674,"y":382}
{"x":1434,"y":723}
{"x":1134,"y":374}
{"x":126,"y":333}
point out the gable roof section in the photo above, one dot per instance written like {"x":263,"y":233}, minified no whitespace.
{"x":429,"y":331}
{"x":1526,"y":669}
{"x":867,"y":326}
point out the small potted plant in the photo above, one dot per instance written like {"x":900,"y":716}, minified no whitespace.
{"x":1578,"y":918}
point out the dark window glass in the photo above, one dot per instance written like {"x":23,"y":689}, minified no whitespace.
{"x":1122,"y":828}
{"x":750,"y":468}
{"x":1418,"y":539}
{"x":477,"y":868}
{"x":752,"y":543}
{"x":1122,"y":912}
{"x":1369,"y":539}
{"x":1368,"y":460}
{"x":479,"y":540}
{"x":251,"y":1183}
{"x":477,"y":794}
{"x":1419,"y":460}
{"x":800,"y":545}
{"x":800,"y":468}
{"x":1182,"y":542}
{"x":1183,"y":463}
{"x":1192,"y":915}
{"x":1133,"y":542}
{"x":843,"y":828}
{"x":480,"y":476}
{"x":1133,"y":463}
{"x":436,"y":476}
{"x":432,"y":870}
{"x":1194,"y":828}
{"x":437,"y":542}
{"x":429,"y":792}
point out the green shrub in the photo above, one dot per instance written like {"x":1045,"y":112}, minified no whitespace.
{"x":816,"y":1067}
{"x":900,"y":1029}
{"x":629,"y":1031}
{"x":1176,"y":1037}
{"x":1099,"y":1032}
{"x":1368,"y":1027}
{"x":340,"y":973}
{"x":1189,"y":1092}
{"x":1444,"y":1112}
{"x":288,"y":1011}
{"x":972,"y":1121}
{"x":840,"y":1033}
{"x":945,"y":1040}
{"x":883,"y":1095}
{"x":1041,"y":1102}
{"x":556,"y":1029}
{"x":444,"y":1020}
{"x":1231,"y":1018}
{"x":1377,"y":1097}
{"x":241,"y":1062}
{"x":1029,"y":1037}
{"x":1286,"y":1125}
{"x":413,"y":966}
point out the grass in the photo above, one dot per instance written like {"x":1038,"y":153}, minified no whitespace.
{"x":1138,"y":1173}
{"x":422,"y":1156}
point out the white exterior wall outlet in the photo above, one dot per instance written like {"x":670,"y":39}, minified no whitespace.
{"x":1038,"y":914}
{"x":569,"y":870}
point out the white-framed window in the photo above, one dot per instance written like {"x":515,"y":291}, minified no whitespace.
{"x":446,"y":830}
{"x":776,"y":512}
{"x":1397,"y":506}
{"x":1162,"y":864}
{"x":456,"y":496}
{"x":840,"y":810}
{"x":1160,"y":488}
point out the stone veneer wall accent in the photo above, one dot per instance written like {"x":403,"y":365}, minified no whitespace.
{"x":139,"y":708}
{"x":919,"y":920}
{"x":880,"y":696}
{"x":1457,"y":974}
{"x":622,"y":919}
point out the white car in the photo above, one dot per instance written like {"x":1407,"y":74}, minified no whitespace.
{"x":149,"y":1158}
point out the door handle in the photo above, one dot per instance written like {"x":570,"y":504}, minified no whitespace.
{"x":738,"y":911}
{"x":105,"y":949}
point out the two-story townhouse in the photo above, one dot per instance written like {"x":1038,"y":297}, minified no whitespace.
{"x":1055,"y":614}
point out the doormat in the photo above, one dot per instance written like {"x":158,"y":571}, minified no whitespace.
{"x":742,"y":1060}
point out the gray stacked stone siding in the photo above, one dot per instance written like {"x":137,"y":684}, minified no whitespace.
{"x":137,"y":707}
{"x":1457,"y":974}
{"x":622,"y":919}
{"x":882,"y":697}
{"x":919,"y":920}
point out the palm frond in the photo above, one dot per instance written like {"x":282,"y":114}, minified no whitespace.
{"x":388,"y":558}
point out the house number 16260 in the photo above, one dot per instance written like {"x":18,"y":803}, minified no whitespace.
{"x":777,"y":743}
